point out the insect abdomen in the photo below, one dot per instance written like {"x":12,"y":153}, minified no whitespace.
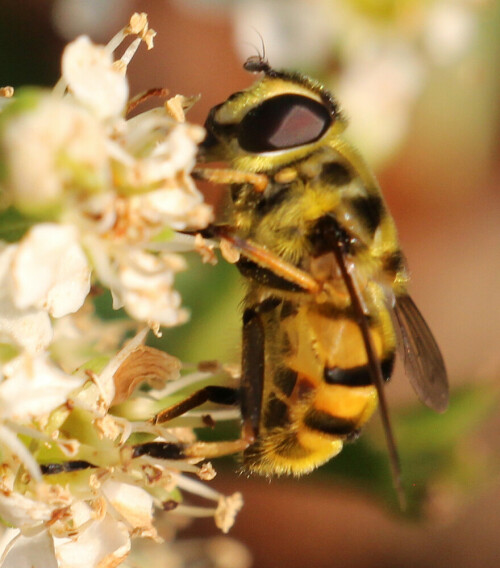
{"x":318,"y":390}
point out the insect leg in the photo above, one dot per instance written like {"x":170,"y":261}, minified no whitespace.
{"x":256,"y":255}
{"x":65,"y":467}
{"x":265,"y":259}
{"x":198,"y":450}
{"x":374,"y":365}
{"x":211,"y":393}
{"x":227,"y":176}
{"x":252,"y":372}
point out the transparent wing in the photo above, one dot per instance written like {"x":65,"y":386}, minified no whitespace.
{"x":423,"y":361}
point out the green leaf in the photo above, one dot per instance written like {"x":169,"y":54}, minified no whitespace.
{"x":14,"y":225}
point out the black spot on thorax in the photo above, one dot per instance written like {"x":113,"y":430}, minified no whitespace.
{"x":335,"y":174}
{"x":370,"y":209}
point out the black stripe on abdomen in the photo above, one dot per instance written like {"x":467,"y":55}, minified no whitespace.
{"x":327,"y":424}
{"x":359,"y":376}
{"x":276,"y":413}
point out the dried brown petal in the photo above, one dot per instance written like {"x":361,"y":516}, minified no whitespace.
{"x":144,"y":364}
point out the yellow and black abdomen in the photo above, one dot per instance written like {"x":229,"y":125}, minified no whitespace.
{"x":318,"y":390}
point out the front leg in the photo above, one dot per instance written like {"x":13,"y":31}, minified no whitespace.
{"x":262,"y":265}
{"x":227,"y":176}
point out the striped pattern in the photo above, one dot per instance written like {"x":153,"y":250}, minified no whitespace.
{"x":318,"y":390}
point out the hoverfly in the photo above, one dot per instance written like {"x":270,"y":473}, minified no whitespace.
{"x":326,"y":280}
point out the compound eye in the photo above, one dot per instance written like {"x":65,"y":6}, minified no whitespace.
{"x":282,"y":122}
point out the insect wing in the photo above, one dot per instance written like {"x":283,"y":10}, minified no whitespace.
{"x":423,"y":361}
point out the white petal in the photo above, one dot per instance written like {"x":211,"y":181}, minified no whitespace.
{"x":35,"y":551}
{"x":103,"y":544}
{"x":50,"y":147}
{"x":177,"y":207}
{"x":146,"y":288}
{"x":33,"y":387}
{"x":133,"y":503}
{"x":50,"y":270}
{"x":92,"y":78}
{"x":30,"y":329}
{"x":22,"y":512}
{"x":164,"y":309}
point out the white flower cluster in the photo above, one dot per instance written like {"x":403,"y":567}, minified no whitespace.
{"x":90,"y":196}
{"x":115,"y":188}
{"x":100,"y":485}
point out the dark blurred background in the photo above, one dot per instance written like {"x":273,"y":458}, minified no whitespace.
{"x":420,"y":81}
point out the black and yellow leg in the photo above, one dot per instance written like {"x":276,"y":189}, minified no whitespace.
{"x":196,"y":451}
{"x":252,"y":372}
{"x":212,"y":393}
